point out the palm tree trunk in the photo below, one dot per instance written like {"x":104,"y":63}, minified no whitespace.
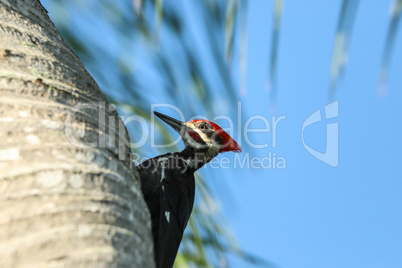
{"x":69,"y":195}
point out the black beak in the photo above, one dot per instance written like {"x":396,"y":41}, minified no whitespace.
{"x":174,"y":123}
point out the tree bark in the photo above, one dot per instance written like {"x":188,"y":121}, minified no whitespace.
{"x":69,"y":194}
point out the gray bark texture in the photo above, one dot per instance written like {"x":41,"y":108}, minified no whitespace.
{"x":69,"y":194}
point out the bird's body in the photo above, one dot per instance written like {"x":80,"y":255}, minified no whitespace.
{"x":169,"y":215}
{"x":168,"y":185}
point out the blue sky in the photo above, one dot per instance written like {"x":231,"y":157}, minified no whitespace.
{"x":310,"y":214}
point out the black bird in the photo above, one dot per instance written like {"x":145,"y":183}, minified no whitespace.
{"x":168,"y":186}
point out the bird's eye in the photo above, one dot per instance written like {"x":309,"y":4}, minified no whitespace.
{"x":202,"y":127}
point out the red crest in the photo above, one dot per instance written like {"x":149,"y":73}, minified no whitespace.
{"x":229,"y":144}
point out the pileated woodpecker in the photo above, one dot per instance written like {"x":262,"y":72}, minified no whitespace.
{"x":168,"y":186}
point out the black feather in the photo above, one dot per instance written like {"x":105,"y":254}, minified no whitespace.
{"x":168,"y":187}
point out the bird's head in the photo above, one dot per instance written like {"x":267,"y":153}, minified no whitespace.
{"x":202,"y":135}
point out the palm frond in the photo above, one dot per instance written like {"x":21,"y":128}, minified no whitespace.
{"x":273,"y":59}
{"x":158,"y":16}
{"x":134,"y":74}
{"x":395,"y":9}
{"x":243,"y":48}
{"x":343,"y":35}
{"x":231,"y":12}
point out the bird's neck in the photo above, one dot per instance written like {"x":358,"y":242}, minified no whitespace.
{"x":198,"y":158}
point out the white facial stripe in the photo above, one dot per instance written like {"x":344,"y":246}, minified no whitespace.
{"x":187,"y":139}
{"x":213,"y":147}
{"x":199,"y":132}
{"x":203,"y":136}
